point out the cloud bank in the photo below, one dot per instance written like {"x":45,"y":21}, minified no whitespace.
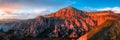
{"x":114,"y":9}
{"x":28,"y":9}
{"x":22,"y":14}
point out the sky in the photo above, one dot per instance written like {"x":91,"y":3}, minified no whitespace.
{"x":28,"y":9}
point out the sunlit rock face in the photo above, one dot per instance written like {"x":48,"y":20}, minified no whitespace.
{"x":67,"y":22}
{"x":102,"y":16}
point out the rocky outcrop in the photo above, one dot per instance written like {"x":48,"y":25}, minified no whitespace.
{"x":109,"y":30}
{"x":100,"y":13}
{"x":67,"y":22}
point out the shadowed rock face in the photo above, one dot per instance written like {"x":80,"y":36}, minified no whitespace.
{"x":67,"y":22}
{"x":110,"y":31}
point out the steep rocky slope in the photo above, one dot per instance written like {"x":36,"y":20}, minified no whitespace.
{"x":67,"y":22}
{"x":110,"y":30}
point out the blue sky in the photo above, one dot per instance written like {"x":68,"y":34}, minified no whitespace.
{"x":57,"y":4}
{"x":96,"y":3}
{"x":32,"y":8}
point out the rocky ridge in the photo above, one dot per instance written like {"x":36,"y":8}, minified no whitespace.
{"x":67,"y":22}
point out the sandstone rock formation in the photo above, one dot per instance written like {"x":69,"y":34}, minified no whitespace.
{"x":109,"y":30}
{"x":67,"y":22}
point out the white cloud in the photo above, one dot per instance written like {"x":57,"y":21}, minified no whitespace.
{"x":1,"y":12}
{"x":23,"y":14}
{"x":31,"y":14}
{"x":4,"y":15}
{"x":114,"y":9}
